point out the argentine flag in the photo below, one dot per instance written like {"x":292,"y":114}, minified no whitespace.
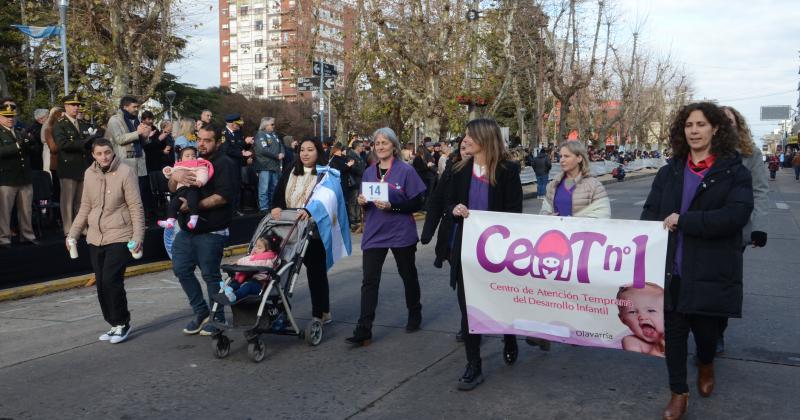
{"x":38,"y":32}
{"x":329,"y":210}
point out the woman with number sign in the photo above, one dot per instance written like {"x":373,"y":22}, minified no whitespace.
{"x":704,"y":197}
{"x":389,"y":225}
{"x":292,"y":192}
{"x":488,"y":181}
{"x":573,"y":192}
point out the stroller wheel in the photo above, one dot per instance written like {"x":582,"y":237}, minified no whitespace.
{"x":313,"y":333}
{"x":257,"y":349}
{"x":221,"y":346}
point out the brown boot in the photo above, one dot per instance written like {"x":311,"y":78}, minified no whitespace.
{"x":677,"y":406}
{"x":705,"y":379}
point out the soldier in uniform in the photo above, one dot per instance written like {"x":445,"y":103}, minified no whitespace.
{"x":72,"y":161}
{"x":15,"y":178}
{"x":238,"y":148}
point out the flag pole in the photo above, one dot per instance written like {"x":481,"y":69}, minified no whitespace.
{"x":62,"y":9}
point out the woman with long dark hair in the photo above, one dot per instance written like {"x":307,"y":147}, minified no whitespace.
{"x":294,"y":188}
{"x":488,"y":180}
{"x":704,"y":196}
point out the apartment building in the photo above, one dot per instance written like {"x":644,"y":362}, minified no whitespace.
{"x":265,"y":45}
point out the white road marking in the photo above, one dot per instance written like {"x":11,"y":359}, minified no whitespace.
{"x":175,"y":282}
{"x":781,"y":205}
{"x":12,"y":310}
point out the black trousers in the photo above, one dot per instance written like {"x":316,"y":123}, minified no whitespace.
{"x":109,"y":262}
{"x":472,"y":342}
{"x":373,"y":260}
{"x":317,"y":273}
{"x":148,"y":203}
{"x":677,"y":327}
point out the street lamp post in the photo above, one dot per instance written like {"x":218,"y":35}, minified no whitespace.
{"x":170,"y":94}
{"x":314,"y":117}
{"x":524,"y":141}
{"x":62,"y":9}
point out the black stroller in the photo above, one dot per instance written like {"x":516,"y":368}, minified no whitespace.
{"x":269,"y":312}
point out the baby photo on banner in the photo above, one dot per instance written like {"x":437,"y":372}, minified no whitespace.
{"x":591,"y":282}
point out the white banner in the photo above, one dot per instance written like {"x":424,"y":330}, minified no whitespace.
{"x":591,"y":282}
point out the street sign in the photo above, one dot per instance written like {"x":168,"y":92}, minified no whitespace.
{"x":310,"y":84}
{"x":329,"y":69}
{"x":776,"y":112}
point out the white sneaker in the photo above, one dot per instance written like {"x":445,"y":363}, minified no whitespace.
{"x":121,"y":334}
{"x":107,"y":336}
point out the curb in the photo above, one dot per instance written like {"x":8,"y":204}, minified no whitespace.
{"x":53,"y":286}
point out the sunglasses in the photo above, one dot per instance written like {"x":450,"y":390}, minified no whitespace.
{"x":10,"y":105}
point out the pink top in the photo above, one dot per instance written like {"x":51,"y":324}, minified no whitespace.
{"x":262,"y":259}
{"x":203,"y":171}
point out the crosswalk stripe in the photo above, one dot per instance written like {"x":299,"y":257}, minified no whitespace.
{"x":781,"y":205}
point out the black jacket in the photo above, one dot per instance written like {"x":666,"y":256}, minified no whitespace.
{"x":711,"y":273}
{"x":437,"y":216}
{"x":15,"y":169}
{"x":541,"y":165}
{"x":504,"y":196}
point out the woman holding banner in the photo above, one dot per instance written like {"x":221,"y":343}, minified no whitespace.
{"x":389,"y":225}
{"x":573,"y":192}
{"x":704,"y":197}
{"x":292,"y":192}
{"x":487,"y":181}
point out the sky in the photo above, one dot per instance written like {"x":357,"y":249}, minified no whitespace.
{"x":742,"y":53}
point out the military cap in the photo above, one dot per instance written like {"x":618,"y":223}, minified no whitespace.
{"x":73,"y":99}
{"x":234,"y":118}
{"x":8,"y":110}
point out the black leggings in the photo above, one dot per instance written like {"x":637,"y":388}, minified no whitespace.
{"x":317,"y":273}
{"x":192,"y":196}
{"x":472,"y":342}
{"x":373,"y":260}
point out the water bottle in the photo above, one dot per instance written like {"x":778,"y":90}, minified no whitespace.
{"x":279,"y":322}
{"x":73,"y":248}
{"x":131,"y":247}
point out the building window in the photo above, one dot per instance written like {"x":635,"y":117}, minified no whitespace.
{"x":225,"y":42}
{"x":259,"y":25}
{"x":259,"y":91}
{"x":225,"y":59}
{"x":225,"y":75}
{"x":224,"y":26}
{"x":259,"y":74}
{"x":258,"y":43}
{"x":259,"y":58}
{"x":243,"y":11}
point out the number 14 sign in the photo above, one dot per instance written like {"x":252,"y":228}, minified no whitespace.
{"x":375,"y":191}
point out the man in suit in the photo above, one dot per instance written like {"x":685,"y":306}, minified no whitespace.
{"x":72,"y":160}
{"x":15,"y":178}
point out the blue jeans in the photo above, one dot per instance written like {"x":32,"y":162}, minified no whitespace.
{"x":267,"y":181}
{"x":541,"y":185}
{"x":797,"y":172}
{"x":200,"y":250}
{"x":249,"y":287}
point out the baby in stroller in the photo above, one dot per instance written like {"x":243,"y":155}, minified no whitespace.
{"x":264,"y":253}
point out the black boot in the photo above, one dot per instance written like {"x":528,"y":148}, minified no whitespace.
{"x":510,"y":350}
{"x":472,"y":376}
{"x":540,"y":342}
{"x":460,"y":336}
{"x":362,"y":337}
{"x":720,"y":344}
{"x":414,"y":320}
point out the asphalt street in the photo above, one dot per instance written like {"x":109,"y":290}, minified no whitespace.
{"x":53,"y":367}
